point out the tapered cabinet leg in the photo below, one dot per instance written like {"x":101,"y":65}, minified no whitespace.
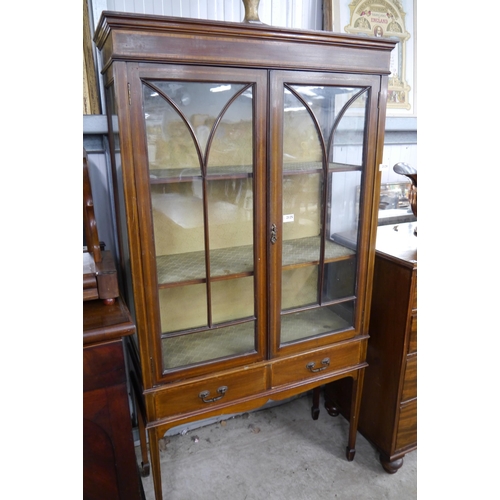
{"x":144,"y":449}
{"x":154,"y":451}
{"x":315,"y":406}
{"x":357,"y":389}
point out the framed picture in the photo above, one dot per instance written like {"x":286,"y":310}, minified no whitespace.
{"x":389,"y":19}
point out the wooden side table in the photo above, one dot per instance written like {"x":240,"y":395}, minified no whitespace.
{"x":109,"y":463}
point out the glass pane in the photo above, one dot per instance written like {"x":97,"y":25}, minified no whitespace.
{"x":348,"y":139}
{"x":232,"y":146}
{"x":340,"y":279}
{"x":302,"y":196}
{"x":326,"y":103}
{"x":200,"y":149}
{"x":175,"y":112}
{"x":301,"y":145}
{"x":177,"y":210}
{"x":199,"y":347}
{"x":345,"y":191}
{"x":230,"y":222}
{"x":183,"y":307}
{"x":323,"y":141}
{"x":172,"y":151}
{"x":299,"y":287}
{"x":232,"y":299}
{"x":299,"y":325}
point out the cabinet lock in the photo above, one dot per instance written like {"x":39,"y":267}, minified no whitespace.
{"x":274,"y":234}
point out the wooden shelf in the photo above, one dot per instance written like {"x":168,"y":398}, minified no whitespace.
{"x":207,"y":345}
{"x":237,"y":262}
{"x":313,"y":321}
{"x":170,"y":175}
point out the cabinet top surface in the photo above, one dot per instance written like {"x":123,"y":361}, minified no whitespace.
{"x":112,"y":20}
{"x":103,"y":322}
{"x":147,"y":22}
{"x":152,"y":38}
{"x":399,"y":241}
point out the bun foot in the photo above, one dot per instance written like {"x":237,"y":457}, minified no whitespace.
{"x":349,"y":453}
{"x":391,"y":467}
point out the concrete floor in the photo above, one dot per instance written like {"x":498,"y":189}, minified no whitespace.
{"x":277,"y":453}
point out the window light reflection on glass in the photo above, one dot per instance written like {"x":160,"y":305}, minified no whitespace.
{"x":220,"y":88}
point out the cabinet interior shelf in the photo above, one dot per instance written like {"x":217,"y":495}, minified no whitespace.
{"x":169,"y":175}
{"x":239,"y":339}
{"x":235,"y":262}
{"x":208,"y":345}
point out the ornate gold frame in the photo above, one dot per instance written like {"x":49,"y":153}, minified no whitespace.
{"x":91,"y":105}
{"x":385,"y":18}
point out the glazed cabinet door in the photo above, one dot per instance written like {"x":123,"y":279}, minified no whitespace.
{"x":323,"y":136}
{"x":199,"y":159}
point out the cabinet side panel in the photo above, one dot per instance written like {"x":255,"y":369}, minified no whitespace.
{"x":386,"y":354}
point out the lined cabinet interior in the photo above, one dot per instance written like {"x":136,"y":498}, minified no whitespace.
{"x":246,"y":191}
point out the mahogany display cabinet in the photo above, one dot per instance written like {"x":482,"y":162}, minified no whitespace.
{"x":244,"y":156}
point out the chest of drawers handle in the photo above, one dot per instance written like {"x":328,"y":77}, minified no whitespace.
{"x":325,"y":362}
{"x":204,"y":395}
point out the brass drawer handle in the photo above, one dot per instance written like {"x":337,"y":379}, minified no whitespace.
{"x":325,"y":362}
{"x":204,"y":394}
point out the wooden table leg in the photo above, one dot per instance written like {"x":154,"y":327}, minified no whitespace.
{"x":315,"y":406}
{"x":154,"y":451}
{"x":142,"y":441}
{"x":357,"y":389}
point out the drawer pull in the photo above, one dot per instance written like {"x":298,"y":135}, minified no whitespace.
{"x":204,"y":394}
{"x":325,"y":363}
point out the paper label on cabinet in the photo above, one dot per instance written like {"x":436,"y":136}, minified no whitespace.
{"x":288,"y":218}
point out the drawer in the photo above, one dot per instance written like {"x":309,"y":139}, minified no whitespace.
{"x":205,"y":394}
{"x":407,"y":426}
{"x":412,"y":344}
{"x":315,"y":364}
{"x":410,"y":380}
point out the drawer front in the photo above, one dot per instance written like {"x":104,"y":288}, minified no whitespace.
{"x":316,"y":364}
{"x":410,"y":380}
{"x":407,"y":427}
{"x":412,"y":344}
{"x":210,"y":392}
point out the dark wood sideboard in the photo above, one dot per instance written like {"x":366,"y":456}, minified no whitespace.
{"x":109,"y":463}
{"x":388,"y":415}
